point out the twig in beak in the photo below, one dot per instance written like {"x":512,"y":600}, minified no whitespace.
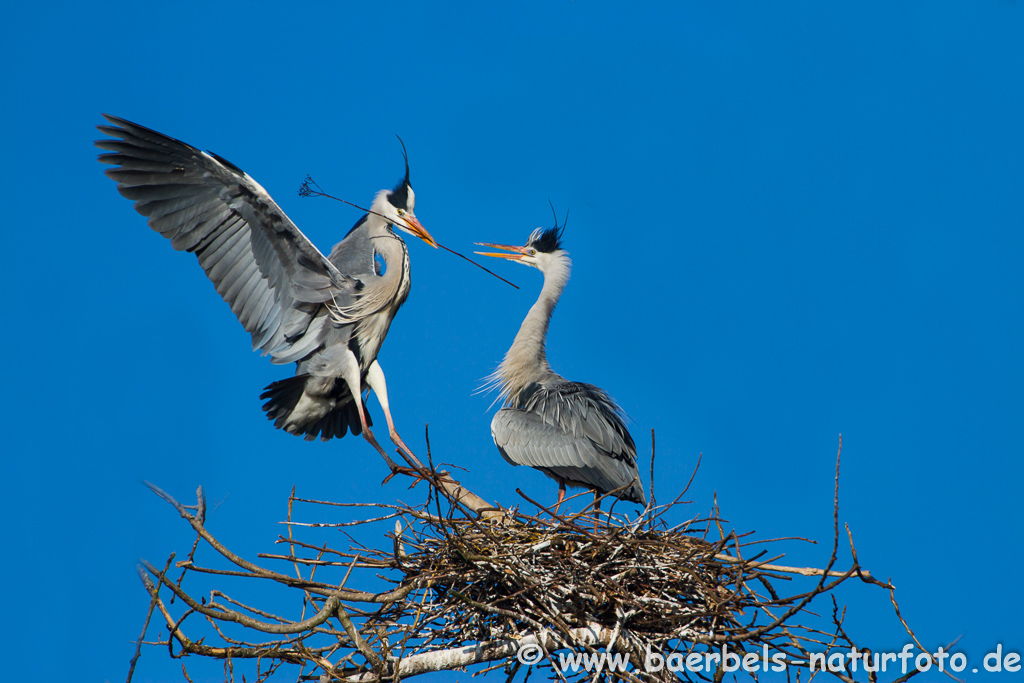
{"x":310,"y":188}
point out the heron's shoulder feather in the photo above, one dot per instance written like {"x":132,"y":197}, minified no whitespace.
{"x":353,"y":255}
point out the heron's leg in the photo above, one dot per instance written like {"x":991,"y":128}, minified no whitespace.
{"x":561,"y":495}
{"x":350,"y":373}
{"x":597,"y":508}
{"x":375,"y":380}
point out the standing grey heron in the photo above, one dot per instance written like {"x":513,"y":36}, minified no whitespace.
{"x":570,"y":431}
{"x":328,"y":315}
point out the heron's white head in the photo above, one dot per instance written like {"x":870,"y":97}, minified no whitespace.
{"x":397,"y":206}
{"x":542,"y":249}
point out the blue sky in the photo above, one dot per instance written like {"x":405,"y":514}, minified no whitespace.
{"x":788,"y":221}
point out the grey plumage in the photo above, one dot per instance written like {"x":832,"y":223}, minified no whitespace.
{"x":570,"y":431}
{"x":329,"y":315}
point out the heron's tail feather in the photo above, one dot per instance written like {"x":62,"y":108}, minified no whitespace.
{"x":313,"y":406}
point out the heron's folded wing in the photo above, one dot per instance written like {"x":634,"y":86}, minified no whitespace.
{"x":270,"y":274}
{"x":585,"y":411}
{"x":526,"y":438}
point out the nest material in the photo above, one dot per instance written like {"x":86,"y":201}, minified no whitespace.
{"x":470,"y":587}
{"x":493,"y":581}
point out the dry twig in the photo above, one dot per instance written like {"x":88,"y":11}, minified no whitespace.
{"x":460,"y":583}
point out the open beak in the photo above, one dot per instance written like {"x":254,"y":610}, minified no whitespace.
{"x":519,"y":252}
{"x":416,"y":228}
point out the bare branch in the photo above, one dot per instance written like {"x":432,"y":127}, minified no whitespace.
{"x":474,"y":585}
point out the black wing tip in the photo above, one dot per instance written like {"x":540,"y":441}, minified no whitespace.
{"x":233,"y":167}
{"x":120,"y":126}
{"x":123,"y":130}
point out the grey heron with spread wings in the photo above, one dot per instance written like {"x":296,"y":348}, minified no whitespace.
{"x":570,"y":431}
{"x":327,"y":314}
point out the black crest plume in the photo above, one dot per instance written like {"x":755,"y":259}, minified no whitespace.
{"x":549,"y":240}
{"x":400,"y":195}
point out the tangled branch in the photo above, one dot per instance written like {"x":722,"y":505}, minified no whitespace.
{"x":458,"y":583}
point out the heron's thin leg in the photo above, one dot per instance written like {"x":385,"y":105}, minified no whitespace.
{"x":368,"y":435}
{"x":375,"y":380}
{"x":597,"y":508}
{"x":350,"y":373}
{"x":561,"y":495}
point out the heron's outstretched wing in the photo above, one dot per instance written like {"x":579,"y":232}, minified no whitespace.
{"x":572,"y":431}
{"x":270,"y":274}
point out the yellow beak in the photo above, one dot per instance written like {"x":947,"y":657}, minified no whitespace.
{"x":416,"y":228}
{"x":519,"y":252}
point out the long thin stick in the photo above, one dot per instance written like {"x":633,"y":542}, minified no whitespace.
{"x":307,"y":191}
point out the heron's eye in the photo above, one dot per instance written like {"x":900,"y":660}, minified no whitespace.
{"x":533,"y":252}
{"x":401,"y":212}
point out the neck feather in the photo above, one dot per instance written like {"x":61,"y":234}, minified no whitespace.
{"x":526,"y":361}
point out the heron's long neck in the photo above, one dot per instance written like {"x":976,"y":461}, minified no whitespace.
{"x":386,"y":241}
{"x":526,"y":361}
{"x":392,"y":249}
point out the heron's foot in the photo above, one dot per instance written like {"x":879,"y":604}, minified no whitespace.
{"x":368,"y":435}
{"x":408,"y":471}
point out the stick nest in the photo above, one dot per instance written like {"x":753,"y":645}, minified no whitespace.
{"x":494,"y":581}
{"x":468,"y":586}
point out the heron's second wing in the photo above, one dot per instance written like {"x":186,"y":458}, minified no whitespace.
{"x":270,"y":274}
{"x":525,"y":438}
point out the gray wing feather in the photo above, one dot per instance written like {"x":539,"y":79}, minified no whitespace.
{"x":270,"y":274}
{"x":354,"y":254}
{"x":585,"y":412}
{"x":573,"y":433}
